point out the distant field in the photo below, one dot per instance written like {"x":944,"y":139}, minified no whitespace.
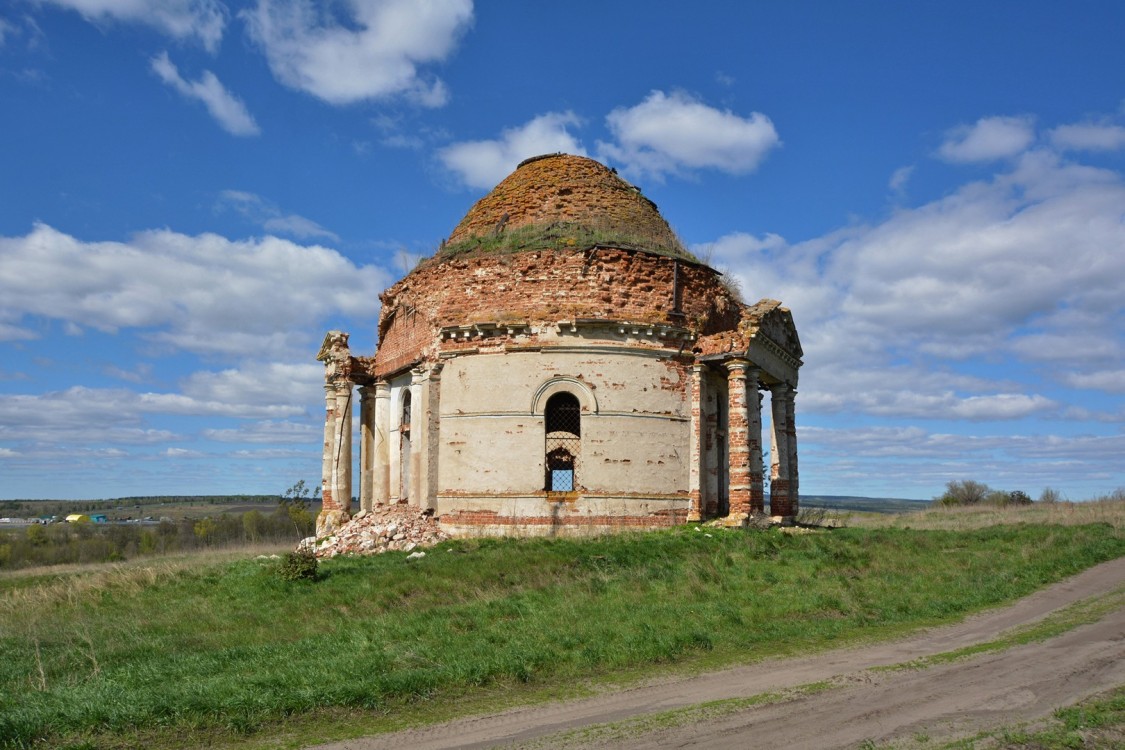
{"x":863,"y":504}
{"x":173,"y":507}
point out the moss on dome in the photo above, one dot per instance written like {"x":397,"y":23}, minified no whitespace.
{"x":560,"y":201}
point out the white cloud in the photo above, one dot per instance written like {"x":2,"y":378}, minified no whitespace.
{"x":988,"y":139}
{"x":373,"y":52}
{"x":268,"y":431}
{"x":227,"y":109}
{"x":5,"y":29}
{"x":203,"y":294}
{"x":117,"y":415}
{"x":15,"y":333}
{"x":482,"y":164}
{"x":264,"y":385}
{"x":202,"y":20}
{"x":1022,"y":269}
{"x":1088,"y":137}
{"x":669,"y":133}
{"x":271,"y":218}
{"x":899,"y":178}
{"x":1111,"y":381}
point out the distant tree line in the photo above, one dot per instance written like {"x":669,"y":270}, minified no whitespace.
{"x":30,"y":508}
{"x":86,"y":542}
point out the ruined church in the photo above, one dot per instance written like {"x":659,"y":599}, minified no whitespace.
{"x":562,"y":365}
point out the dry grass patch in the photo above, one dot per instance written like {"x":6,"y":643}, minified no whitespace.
{"x":961,"y":518}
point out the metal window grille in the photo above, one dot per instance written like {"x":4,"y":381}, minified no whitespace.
{"x":563,"y":422}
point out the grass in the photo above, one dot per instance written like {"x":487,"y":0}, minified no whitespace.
{"x":228,"y":653}
{"x":959,"y":518}
{"x":566,"y":236}
{"x":603,"y":734}
{"x":1097,"y":722}
{"x":1080,"y":613}
{"x":1105,"y":713}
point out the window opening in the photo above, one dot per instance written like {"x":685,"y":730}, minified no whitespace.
{"x":404,"y":448}
{"x":563,"y":426}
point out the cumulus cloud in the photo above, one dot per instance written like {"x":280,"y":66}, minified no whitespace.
{"x":268,"y":431}
{"x":201,"y":20}
{"x":910,"y":458}
{"x":227,"y":109}
{"x":482,"y":164}
{"x":1023,"y":268}
{"x":1088,"y":137}
{"x":989,"y":138}
{"x":103,"y":415}
{"x":264,"y":385}
{"x":1110,"y":381}
{"x":373,"y":52}
{"x":270,"y":217}
{"x":202,"y":294}
{"x":671,"y":133}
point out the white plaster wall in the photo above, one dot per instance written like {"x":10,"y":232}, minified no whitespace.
{"x":492,"y":442}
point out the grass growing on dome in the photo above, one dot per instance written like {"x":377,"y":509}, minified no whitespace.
{"x":566,"y":236}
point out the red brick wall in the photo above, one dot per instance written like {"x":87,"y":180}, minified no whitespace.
{"x":546,"y":287}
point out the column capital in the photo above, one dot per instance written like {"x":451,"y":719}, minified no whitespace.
{"x":382,"y":389}
{"x":734,"y":365}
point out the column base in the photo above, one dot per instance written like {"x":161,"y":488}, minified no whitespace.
{"x":328,"y":521}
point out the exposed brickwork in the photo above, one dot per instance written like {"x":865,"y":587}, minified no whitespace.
{"x":565,"y":188}
{"x":544,"y":287}
{"x":659,"y":519}
{"x":739,"y":439}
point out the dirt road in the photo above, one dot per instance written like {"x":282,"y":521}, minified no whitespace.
{"x":1021,"y":683}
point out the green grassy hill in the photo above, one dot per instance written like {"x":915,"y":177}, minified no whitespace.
{"x":161,"y":655}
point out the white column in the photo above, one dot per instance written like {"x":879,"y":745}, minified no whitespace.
{"x":779,"y":442}
{"x":381,"y":471}
{"x":366,"y":446}
{"x":336,"y":493}
{"x":430,"y":411}
{"x":416,"y":438}
{"x":695,"y":465}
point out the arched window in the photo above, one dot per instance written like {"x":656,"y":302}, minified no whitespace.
{"x":404,"y":423}
{"x":404,"y":448}
{"x":563,"y":428}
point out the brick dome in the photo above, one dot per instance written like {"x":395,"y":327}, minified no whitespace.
{"x":562,"y":238}
{"x":561,"y":200}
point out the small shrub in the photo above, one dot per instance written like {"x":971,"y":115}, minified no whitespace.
{"x":963,"y":492}
{"x":298,"y":566}
{"x":1050,"y":495}
{"x":997,"y":497}
{"x":1018,"y":497}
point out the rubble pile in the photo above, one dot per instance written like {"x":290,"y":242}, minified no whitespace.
{"x":387,"y":527}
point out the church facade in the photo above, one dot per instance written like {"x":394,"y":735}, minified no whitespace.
{"x":563,"y":366}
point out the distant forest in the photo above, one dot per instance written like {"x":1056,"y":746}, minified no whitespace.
{"x":30,"y":508}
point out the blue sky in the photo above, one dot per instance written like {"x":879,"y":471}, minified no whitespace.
{"x":193,"y":191}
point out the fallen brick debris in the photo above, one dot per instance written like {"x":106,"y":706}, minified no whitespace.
{"x":387,"y":527}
